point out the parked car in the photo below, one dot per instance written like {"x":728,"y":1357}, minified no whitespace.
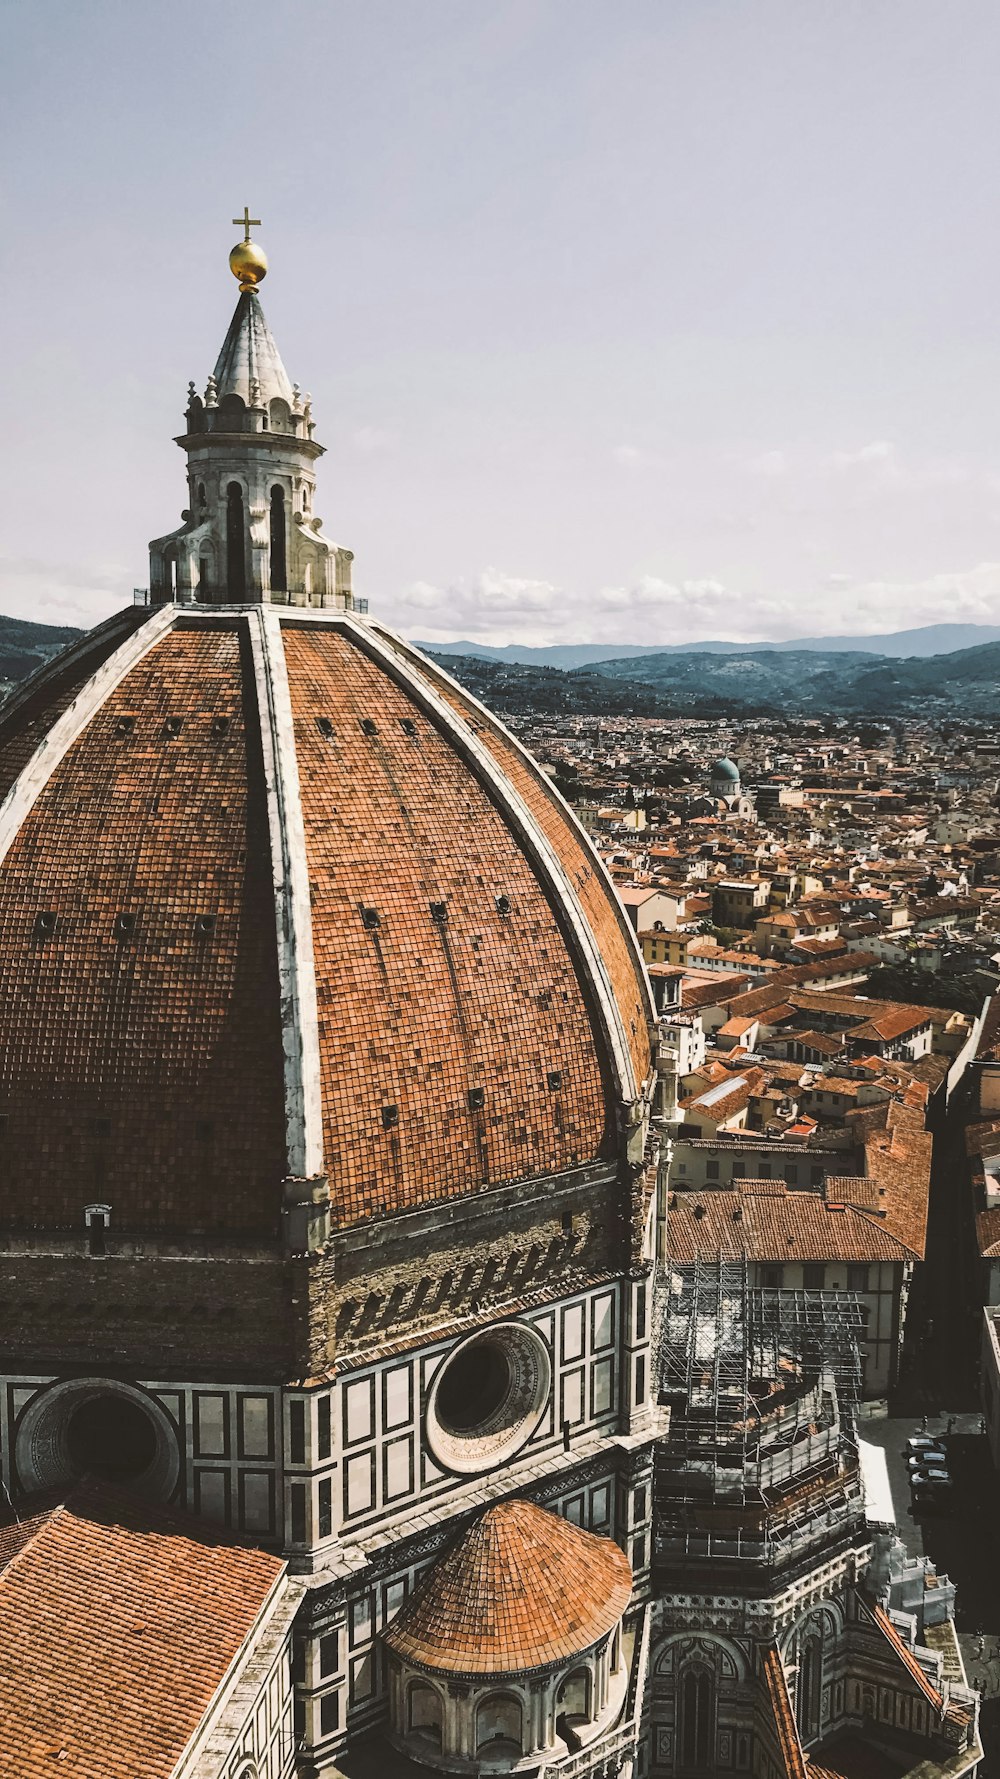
{"x":934,"y":1476}
{"x":922,"y":1442}
{"x":931,"y":1454}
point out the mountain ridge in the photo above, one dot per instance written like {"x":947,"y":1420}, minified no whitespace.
{"x":25,"y":645}
{"x":964,"y":683}
{"x":922,"y":642}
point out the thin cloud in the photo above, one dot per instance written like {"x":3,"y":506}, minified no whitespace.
{"x":498,"y":608}
{"x":61,"y":593}
{"x":770,"y":465}
{"x":634,"y":458}
{"x":879,"y":452}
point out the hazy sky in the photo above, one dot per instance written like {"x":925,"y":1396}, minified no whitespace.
{"x":640,"y":319}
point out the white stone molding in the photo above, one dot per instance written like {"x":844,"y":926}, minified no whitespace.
{"x":293,"y":912}
{"x":53,"y":747}
{"x":391,"y":655}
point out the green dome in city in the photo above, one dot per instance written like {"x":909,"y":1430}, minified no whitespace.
{"x":726,"y":770}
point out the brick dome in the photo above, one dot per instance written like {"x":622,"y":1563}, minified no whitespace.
{"x":278,"y":899}
{"x":523,"y":1589}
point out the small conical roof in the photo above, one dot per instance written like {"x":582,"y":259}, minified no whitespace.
{"x":523,"y":1589}
{"x":249,"y":354}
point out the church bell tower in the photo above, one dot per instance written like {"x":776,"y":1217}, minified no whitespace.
{"x":250,"y":534}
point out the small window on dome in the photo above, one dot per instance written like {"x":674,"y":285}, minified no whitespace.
{"x":96,"y":1220}
{"x":125,"y":925}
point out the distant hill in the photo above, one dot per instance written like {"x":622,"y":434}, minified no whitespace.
{"x":929,"y":639}
{"x":800,"y":682}
{"x":512,"y":689}
{"x":964,"y":681}
{"x":24,"y":646}
{"x":565,"y":655}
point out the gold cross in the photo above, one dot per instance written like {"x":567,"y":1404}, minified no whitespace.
{"x":246,"y":222}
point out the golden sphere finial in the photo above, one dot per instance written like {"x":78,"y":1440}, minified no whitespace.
{"x":247,"y":261}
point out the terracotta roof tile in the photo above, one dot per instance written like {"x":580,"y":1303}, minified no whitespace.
{"x":521,"y":1589}
{"x":157,"y":1055}
{"x":157,"y":1048}
{"x":118,"y":1622}
{"x":988,"y":1233}
{"x":880,"y":1618}
{"x":780,"y":1712}
{"x":416,"y":1012}
{"x":599,"y":901}
{"x":775,"y":1225}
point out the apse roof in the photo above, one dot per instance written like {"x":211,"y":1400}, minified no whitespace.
{"x":521,"y":1589}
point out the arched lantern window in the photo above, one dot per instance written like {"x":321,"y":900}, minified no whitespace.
{"x":236,"y":560}
{"x":279,"y":556}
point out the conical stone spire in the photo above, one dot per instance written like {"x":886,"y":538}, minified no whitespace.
{"x":250,"y":364}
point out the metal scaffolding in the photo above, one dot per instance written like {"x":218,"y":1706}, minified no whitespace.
{"x":727,"y":1348}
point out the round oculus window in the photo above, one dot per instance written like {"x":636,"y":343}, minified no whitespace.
{"x":97,"y":1427}
{"x":487,"y":1398}
{"x":110,"y":1437}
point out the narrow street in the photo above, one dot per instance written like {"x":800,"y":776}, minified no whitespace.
{"x":940,"y":1382}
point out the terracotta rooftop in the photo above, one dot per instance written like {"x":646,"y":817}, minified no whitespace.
{"x":895,"y":1022}
{"x":880,"y":1618}
{"x":988,"y":1233}
{"x":479,"y":1006}
{"x":728,"y":1097}
{"x":781,"y":1714}
{"x":770,"y":1221}
{"x":118,"y":1622}
{"x":700,"y":990}
{"x":522,"y":1589}
{"x":822,"y":1042}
